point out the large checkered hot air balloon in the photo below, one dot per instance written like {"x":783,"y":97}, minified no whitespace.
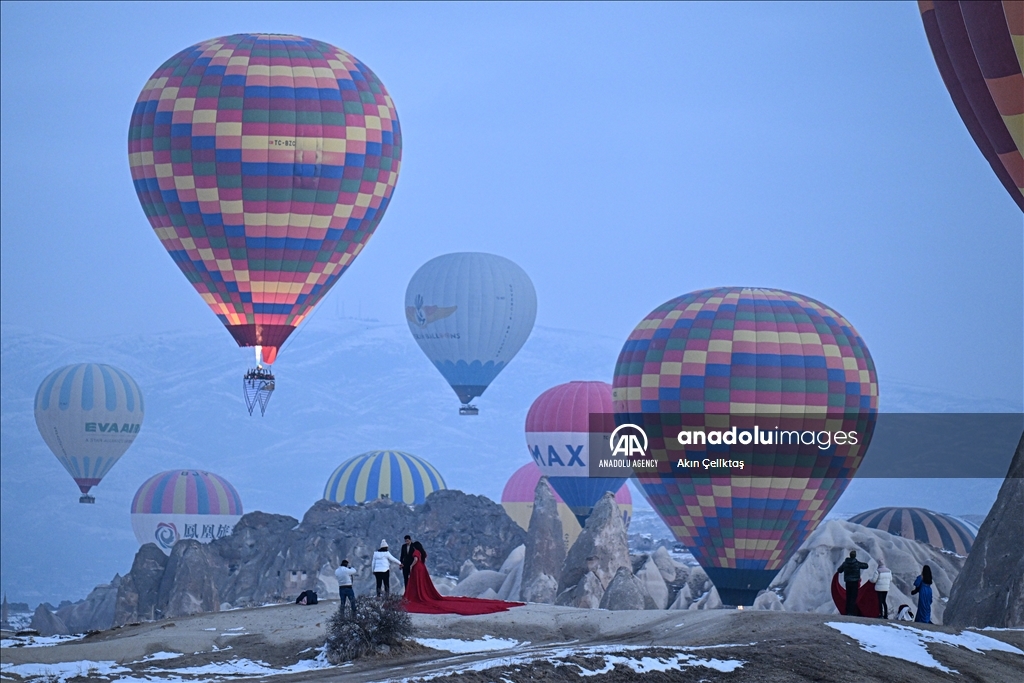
{"x":733,"y":357}
{"x":264,"y":163}
{"x":979,"y":49}
{"x":88,"y":414}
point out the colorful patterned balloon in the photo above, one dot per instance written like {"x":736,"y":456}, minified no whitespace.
{"x":558,"y":429}
{"x":383,"y":474}
{"x":716,"y":358}
{"x":183,"y":504}
{"x":264,"y":164}
{"x":979,"y":49}
{"x":88,"y":414}
{"x":518,"y":495}
{"x":944,"y":532}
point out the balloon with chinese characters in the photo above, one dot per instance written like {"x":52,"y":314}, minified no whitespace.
{"x":184,"y":504}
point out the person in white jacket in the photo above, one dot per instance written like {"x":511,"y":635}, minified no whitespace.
{"x":883,"y":579}
{"x":382,"y":561}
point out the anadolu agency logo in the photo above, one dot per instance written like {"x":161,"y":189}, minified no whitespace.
{"x":628,"y":440}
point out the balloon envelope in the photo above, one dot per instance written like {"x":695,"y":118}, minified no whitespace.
{"x":558,"y":435}
{"x":944,"y":532}
{"x":183,"y":504}
{"x":383,"y":474}
{"x":718,"y":358}
{"x":470,"y":313}
{"x":88,"y":414}
{"x":518,"y":496}
{"x":979,"y":49}
{"x":264,"y":163}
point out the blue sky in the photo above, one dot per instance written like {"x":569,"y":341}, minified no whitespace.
{"x":622,"y":154}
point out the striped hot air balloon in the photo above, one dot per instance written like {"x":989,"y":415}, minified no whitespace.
{"x":979,"y":49}
{"x":731,"y":357}
{"x":264,"y":163}
{"x":88,"y":414}
{"x":518,"y":495}
{"x":944,"y":532}
{"x":183,"y":504}
{"x":383,"y":474}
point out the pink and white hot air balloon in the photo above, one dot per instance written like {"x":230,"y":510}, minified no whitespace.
{"x":558,"y":432}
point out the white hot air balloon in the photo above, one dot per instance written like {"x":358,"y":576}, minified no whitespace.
{"x":88,"y":414}
{"x":470,"y":313}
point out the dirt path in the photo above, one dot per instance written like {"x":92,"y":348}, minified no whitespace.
{"x":535,"y":642}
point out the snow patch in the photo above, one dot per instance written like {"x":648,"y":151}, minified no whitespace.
{"x":160,"y":656}
{"x":62,"y":671}
{"x":485,"y":644}
{"x":38,"y":641}
{"x":909,"y":644}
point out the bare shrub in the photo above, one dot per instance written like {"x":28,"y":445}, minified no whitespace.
{"x":378,"y":622}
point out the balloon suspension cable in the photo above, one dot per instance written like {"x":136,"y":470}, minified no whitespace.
{"x":257,"y":387}
{"x":469,"y":409}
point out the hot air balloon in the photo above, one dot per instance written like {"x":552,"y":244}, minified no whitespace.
{"x":182,"y":504}
{"x":559,"y":426}
{"x":89,"y":415}
{"x":978,"y":49}
{"x":718,"y":359}
{"x":264,"y":163}
{"x":518,"y":495}
{"x":470,"y":313}
{"x":383,"y":474}
{"x":944,"y":532}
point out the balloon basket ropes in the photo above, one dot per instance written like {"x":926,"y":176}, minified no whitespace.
{"x":257,"y":387}
{"x":469,"y":410}
{"x":87,"y":499}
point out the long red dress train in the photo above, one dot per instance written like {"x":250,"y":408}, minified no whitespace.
{"x":867,"y":598}
{"x":422,"y":597}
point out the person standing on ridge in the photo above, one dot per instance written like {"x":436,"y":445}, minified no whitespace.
{"x":923,"y":587}
{"x":851,"y":576}
{"x":883,"y":579}
{"x":382,"y":561}
{"x":405,"y":557}
{"x":344,"y":574}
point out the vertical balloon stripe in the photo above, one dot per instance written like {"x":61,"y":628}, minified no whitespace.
{"x":224,"y":507}
{"x":361,"y":492}
{"x":65,"y":387}
{"x":129,"y":395}
{"x":108,"y":387}
{"x":87,"y":388}
{"x":45,"y":389}
{"x":402,"y":476}
{"x":203,"y":496}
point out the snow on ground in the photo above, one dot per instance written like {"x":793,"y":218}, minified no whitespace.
{"x":485,"y":644}
{"x":61,"y":671}
{"x":611,"y":654}
{"x":38,"y":641}
{"x":909,"y":644}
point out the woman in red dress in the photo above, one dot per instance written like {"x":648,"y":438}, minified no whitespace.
{"x":422,"y":597}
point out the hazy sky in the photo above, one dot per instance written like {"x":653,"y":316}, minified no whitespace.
{"x":621,"y":154}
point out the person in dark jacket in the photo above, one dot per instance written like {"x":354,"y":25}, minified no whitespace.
{"x":405,"y":557}
{"x":923,"y":590}
{"x":851,"y":576}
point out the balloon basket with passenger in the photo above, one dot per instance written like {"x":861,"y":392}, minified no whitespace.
{"x":258,"y":385}
{"x":469,"y":409}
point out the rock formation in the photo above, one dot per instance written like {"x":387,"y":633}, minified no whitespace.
{"x":600,"y":551}
{"x":803,"y":583}
{"x":653,"y":583}
{"x":990,"y":589}
{"x":137,"y":593}
{"x":271,"y":558}
{"x":95,"y":613}
{"x":545,"y":550}
{"x":47,"y":623}
{"x":624,"y":592}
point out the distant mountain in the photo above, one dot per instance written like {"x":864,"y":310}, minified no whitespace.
{"x":344,"y":386}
